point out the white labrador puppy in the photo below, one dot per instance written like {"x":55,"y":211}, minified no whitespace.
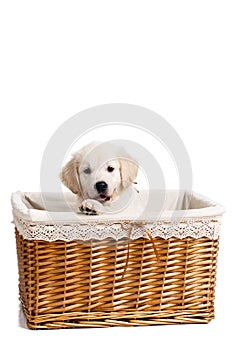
{"x":98,"y":174}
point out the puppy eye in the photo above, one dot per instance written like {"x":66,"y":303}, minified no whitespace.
{"x":87,"y":171}
{"x":110,"y":169}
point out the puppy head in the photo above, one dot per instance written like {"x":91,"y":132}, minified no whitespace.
{"x":99,"y":171}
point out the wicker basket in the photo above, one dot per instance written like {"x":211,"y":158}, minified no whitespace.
{"x":116,"y":272}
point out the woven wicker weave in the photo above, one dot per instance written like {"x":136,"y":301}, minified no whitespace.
{"x":109,"y":283}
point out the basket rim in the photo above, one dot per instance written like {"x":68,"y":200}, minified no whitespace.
{"x":206,"y":208}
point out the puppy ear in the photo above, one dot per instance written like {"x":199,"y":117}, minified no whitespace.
{"x":129,"y":171}
{"x":70,"y":175}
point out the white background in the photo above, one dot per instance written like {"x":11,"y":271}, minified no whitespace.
{"x":61,"y":57}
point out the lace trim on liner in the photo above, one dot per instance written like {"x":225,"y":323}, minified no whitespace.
{"x":190,"y":227}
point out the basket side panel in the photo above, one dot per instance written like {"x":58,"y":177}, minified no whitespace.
{"x":106,"y":283}
{"x":26,"y":252}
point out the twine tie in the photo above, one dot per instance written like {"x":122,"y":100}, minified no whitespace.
{"x":129,"y":229}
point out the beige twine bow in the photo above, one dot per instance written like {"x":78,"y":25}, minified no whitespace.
{"x":131,"y":226}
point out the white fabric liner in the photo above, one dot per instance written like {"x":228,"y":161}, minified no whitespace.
{"x":50,"y":207}
{"x":52,"y":216}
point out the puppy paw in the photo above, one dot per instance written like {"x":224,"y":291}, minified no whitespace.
{"x":91,"y":207}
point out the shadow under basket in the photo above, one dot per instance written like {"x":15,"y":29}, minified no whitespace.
{"x":140,"y":278}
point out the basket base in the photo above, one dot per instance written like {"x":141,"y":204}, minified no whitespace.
{"x":115,"y":319}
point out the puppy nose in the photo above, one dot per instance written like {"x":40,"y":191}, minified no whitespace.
{"x":101,"y":186}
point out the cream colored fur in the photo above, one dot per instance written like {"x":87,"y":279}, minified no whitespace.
{"x":98,"y":158}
